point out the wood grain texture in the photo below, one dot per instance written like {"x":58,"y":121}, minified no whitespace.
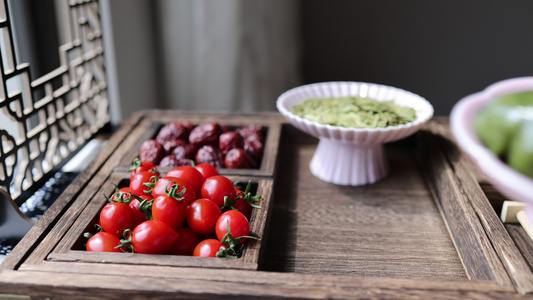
{"x":391,"y":228}
{"x":514,"y":263}
{"x":471,"y":241}
{"x":522,"y":241}
{"x":415,"y":235}
{"x":208,"y":284}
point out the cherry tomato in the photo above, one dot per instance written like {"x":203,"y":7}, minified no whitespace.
{"x":207,"y":170}
{"x":207,"y":248}
{"x":122,"y":195}
{"x":202,"y":216}
{"x":134,"y":204}
{"x":185,"y":243}
{"x":142,"y":166}
{"x":115,"y":217}
{"x":216,"y":187}
{"x":244,"y":207}
{"x":238,"y":224}
{"x":169,"y":210}
{"x":190,"y":175}
{"x":163,"y":184}
{"x":153,"y":237}
{"x":103,"y":242}
{"x":244,"y":202}
{"x":140,"y":183}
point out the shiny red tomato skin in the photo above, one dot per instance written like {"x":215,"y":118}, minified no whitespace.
{"x":169,"y":210}
{"x":207,"y":170}
{"x":166,"y":182}
{"x":116,"y":217}
{"x":103,"y":242}
{"x":190,"y":175}
{"x":137,"y":186}
{"x":244,"y":207}
{"x":207,"y":248}
{"x":202,"y":216}
{"x":185,"y":243}
{"x":216,"y":187}
{"x":134,"y":204}
{"x":145,"y":166}
{"x":153,"y":237}
{"x":238,"y":224}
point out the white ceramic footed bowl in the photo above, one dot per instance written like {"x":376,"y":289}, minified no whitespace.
{"x":352,"y":156}
{"x":512,"y":184}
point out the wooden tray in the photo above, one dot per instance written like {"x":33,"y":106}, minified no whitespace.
{"x":430,"y":230}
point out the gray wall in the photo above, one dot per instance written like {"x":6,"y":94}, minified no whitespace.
{"x":227,"y":55}
{"x":133,"y":49}
{"x":442,"y":50}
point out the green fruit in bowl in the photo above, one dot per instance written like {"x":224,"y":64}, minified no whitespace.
{"x":495,"y":129}
{"x":520,"y":154}
{"x":516,"y":99}
{"x":505,"y":126}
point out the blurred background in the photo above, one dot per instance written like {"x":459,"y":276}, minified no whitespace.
{"x":238,"y":55}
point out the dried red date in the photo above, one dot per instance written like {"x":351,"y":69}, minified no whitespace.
{"x":225,"y":128}
{"x":151,"y":151}
{"x":230,"y":140}
{"x":211,"y":155}
{"x":184,"y":162}
{"x":205,"y":134}
{"x":186,"y":151}
{"x":182,"y":140}
{"x":173,"y":131}
{"x":237,"y":158}
{"x":248,"y":130}
{"x":169,"y":146}
{"x":254,"y":146}
{"x":169,"y":161}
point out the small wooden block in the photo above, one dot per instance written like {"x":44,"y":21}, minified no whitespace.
{"x":526,"y":224}
{"x":509,"y":211}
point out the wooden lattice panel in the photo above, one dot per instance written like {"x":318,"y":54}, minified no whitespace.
{"x":44,"y":121}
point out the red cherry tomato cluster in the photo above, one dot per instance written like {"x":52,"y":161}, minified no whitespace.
{"x":180,"y":143}
{"x":191,"y":210}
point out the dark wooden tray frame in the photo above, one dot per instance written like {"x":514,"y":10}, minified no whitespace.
{"x":495,"y":267}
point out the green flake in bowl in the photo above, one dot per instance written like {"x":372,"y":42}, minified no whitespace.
{"x":354,"y":112}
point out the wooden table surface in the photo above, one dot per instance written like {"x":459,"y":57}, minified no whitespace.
{"x":429,"y":230}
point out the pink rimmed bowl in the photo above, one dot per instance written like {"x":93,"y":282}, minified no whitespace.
{"x":512,"y":184}
{"x":352,"y":156}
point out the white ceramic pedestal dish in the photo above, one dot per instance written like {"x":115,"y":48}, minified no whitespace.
{"x":352,"y":156}
{"x":510,"y":183}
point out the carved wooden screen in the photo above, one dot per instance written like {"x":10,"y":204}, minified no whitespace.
{"x":44,"y":121}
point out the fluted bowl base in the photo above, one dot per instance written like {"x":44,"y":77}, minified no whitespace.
{"x":349,"y":164}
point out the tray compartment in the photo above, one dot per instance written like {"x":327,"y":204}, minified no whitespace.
{"x":392,"y":228}
{"x":152,"y":123}
{"x":68,"y":248}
